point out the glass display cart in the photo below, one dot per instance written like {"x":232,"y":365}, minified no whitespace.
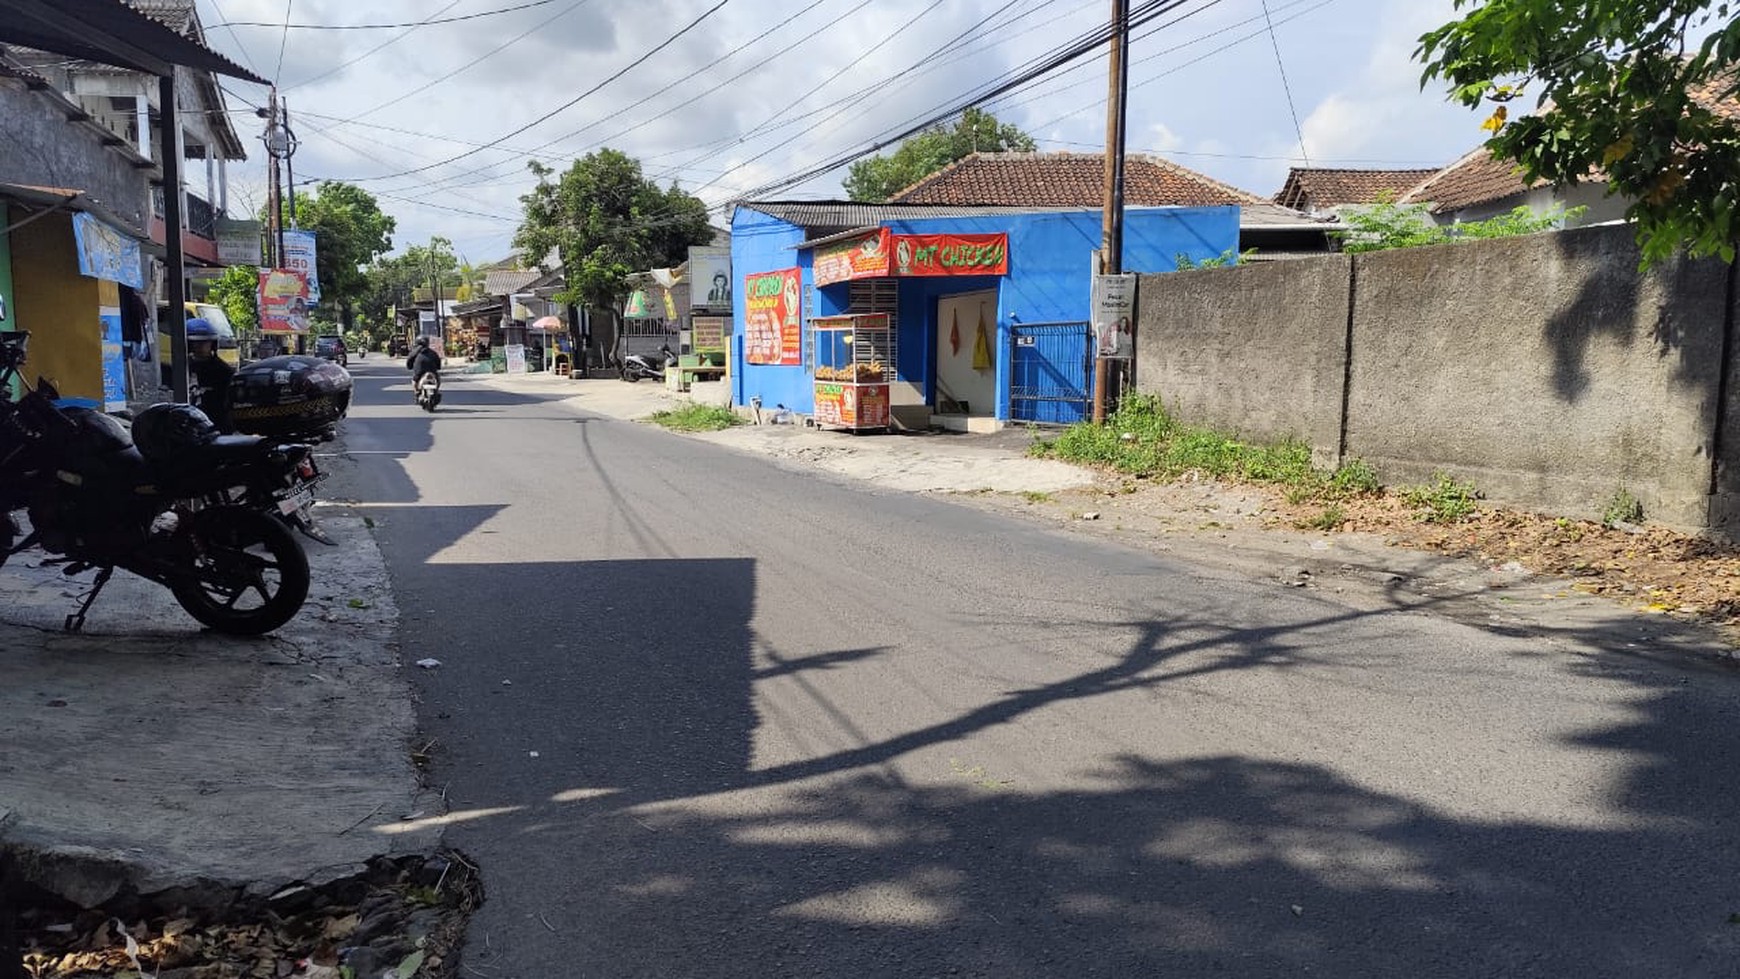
{"x":854,"y":365}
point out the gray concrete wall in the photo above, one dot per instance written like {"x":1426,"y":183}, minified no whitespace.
{"x":1547,"y":370}
{"x":39,"y":146}
{"x":1258,"y":349}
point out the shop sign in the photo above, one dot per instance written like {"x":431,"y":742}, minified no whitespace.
{"x":283,"y":301}
{"x":114,"y":359}
{"x":1114,"y":310}
{"x":107,"y":254}
{"x":299,"y":256}
{"x":951,"y":254}
{"x":772,"y":311}
{"x":852,"y":405}
{"x":636,"y":307}
{"x":710,"y":278}
{"x":858,"y":258}
{"x":707,"y":335}
{"x":238,"y":242}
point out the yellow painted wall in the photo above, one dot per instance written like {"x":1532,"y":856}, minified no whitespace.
{"x":58,"y":306}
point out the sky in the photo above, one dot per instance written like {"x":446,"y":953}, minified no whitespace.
{"x":730,"y":97}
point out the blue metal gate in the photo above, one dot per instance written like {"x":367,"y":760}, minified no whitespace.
{"x":1051,"y":372}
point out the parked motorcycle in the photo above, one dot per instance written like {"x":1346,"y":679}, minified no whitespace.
{"x":181,"y":506}
{"x":427,"y":391}
{"x":637,"y":366}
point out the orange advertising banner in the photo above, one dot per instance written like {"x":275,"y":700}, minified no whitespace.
{"x":951,"y":254}
{"x":283,"y":301}
{"x":856,"y":258}
{"x":772,"y":317}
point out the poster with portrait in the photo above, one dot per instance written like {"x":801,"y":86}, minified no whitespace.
{"x":710,"y":278}
{"x":283,"y":301}
{"x":1114,"y":316}
{"x":300,"y":255}
{"x":772,"y":317}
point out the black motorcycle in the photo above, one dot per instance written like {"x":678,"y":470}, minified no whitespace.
{"x":182,"y":507}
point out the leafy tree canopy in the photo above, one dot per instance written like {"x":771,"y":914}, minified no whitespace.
{"x":878,"y":178}
{"x":606,"y":220}
{"x":391,"y":281}
{"x":238,"y":292}
{"x":1624,"y":86}
{"x":351,"y":231}
{"x":1390,"y":225}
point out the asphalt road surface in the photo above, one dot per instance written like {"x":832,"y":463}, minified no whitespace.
{"x":700,"y":716}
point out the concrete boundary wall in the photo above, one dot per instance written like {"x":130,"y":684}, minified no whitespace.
{"x":1547,"y":370}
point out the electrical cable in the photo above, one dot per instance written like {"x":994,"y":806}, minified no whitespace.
{"x":380,"y":27}
{"x":247,"y":58}
{"x":1298,"y":130}
{"x":371,"y":51}
{"x":282,"y":41}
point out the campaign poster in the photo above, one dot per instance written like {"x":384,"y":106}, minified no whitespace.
{"x":283,"y":301}
{"x":772,"y":317}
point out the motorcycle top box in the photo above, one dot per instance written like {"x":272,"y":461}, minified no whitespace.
{"x":290,"y":396}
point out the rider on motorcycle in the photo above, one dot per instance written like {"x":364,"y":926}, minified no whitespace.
{"x":423,"y":360}
{"x":212,"y":373}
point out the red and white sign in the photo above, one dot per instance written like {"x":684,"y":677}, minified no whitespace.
{"x":865,"y":257}
{"x":772,"y":317}
{"x":945,"y":254}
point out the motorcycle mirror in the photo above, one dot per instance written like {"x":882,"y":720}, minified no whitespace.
{"x":47,"y":389}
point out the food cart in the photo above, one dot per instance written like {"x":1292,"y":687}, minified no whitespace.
{"x":853,"y":368}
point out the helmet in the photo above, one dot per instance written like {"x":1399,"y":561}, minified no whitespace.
{"x":200,"y":328}
{"x":165,"y":430}
{"x":422,"y":341}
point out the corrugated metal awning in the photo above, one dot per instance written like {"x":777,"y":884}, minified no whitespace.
{"x":112,"y":33}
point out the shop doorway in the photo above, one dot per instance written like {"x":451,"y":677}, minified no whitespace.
{"x":966,"y":357}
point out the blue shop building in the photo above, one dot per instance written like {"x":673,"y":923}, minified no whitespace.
{"x":985,"y":308}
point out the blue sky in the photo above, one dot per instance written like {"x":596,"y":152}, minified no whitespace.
{"x":762,"y":89}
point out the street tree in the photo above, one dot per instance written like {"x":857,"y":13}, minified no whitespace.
{"x":604,"y":220}
{"x":877,"y":178}
{"x":394,"y":281}
{"x":1624,"y":89}
{"x":351,"y":231}
{"x":238,"y":292}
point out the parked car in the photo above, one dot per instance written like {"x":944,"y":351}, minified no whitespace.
{"x":292,"y":396}
{"x":331,"y":346}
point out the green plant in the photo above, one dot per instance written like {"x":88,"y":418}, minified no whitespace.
{"x":1331,"y":518}
{"x":1444,"y":500}
{"x":696,"y":418}
{"x":1036,"y":496}
{"x":1387,"y":225}
{"x":1226,"y":259}
{"x":1355,"y":477}
{"x":1622,"y":507}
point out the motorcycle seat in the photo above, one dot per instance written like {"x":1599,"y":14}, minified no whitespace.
{"x":236,"y":447}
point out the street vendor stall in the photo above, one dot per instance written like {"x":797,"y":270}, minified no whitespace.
{"x":854,"y":358}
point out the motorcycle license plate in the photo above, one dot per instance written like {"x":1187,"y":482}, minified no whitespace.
{"x":301,"y":499}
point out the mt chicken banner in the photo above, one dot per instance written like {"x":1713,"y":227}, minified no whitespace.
{"x":772,"y":310}
{"x":951,"y":254}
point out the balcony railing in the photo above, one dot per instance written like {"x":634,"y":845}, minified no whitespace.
{"x":201,"y":216}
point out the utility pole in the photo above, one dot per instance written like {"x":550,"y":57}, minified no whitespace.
{"x":274,"y":209}
{"x":289,"y":165}
{"x":1112,"y":225}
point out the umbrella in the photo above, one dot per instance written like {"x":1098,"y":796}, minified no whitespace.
{"x":548,"y":324}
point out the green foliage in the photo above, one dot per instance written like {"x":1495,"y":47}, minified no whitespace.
{"x":1622,"y":507}
{"x":1390,"y":225}
{"x":350,"y":232}
{"x":1444,"y":500}
{"x":1141,"y":437}
{"x":393,"y":281}
{"x":1624,"y":86}
{"x":606,"y":220}
{"x":1355,"y":477}
{"x":1331,"y":517}
{"x":1226,"y":259}
{"x":697,"y":418}
{"x":238,"y":292}
{"x":878,"y":178}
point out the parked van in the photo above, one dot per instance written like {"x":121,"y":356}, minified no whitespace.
{"x":214,"y":314}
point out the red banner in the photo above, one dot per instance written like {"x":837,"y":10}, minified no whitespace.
{"x":951,"y":254}
{"x":772,"y":327}
{"x":852,"y":405}
{"x":283,"y":301}
{"x":856,"y":258}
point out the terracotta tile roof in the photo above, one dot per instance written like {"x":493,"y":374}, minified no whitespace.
{"x":1309,"y":188}
{"x":1068,"y":180}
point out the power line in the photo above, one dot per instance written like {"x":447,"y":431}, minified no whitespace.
{"x":566,"y":105}
{"x":240,"y":47}
{"x":391,"y":40}
{"x":283,"y":40}
{"x":380,"y":27}
{"x":1298,"y":130}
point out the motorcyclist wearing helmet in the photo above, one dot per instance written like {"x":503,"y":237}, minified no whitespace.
{"x":211,"y":372}
{"x":423,"y":360}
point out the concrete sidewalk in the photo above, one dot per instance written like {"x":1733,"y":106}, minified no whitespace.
{"x":146,"y":753}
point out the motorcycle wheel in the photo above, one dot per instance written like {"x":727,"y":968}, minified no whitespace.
{"x":251,"y":578}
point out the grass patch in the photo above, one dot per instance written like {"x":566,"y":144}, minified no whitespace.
{"x":1444,"y":500}
{"x":1331,"y":517}
{"x":696,"y":418}
{"x":1036,"y":496}
{"x":1622,"y":507}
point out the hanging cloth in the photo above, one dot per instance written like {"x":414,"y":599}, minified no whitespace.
{"x":982,"y":346}
{"x":955,"y":333}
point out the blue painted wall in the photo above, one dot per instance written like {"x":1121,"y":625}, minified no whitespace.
{"x":1050,"y":276}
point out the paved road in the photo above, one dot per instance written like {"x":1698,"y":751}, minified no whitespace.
{"x":698,"y":716}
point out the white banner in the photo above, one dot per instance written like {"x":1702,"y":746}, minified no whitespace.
{"x":1114,"y":312}
{"x":299,"y":257}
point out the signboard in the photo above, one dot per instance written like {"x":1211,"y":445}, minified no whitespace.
{"x":710,"y":278}
{"x":283,"y":301}
{"x":852,"y":405}
{"x":515,"y":355}
{"x":1114,"y":311}
{"x":772,"y":317}
{"x":114,"y":359}
{"x":238,"y":242}
{"x":951,"y":254}
{"x":856,"y":258}
{"x":637,"y":307}
{"x":107,"y":254}
{"x":708,"y":334}
{"x":299,"y":257}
